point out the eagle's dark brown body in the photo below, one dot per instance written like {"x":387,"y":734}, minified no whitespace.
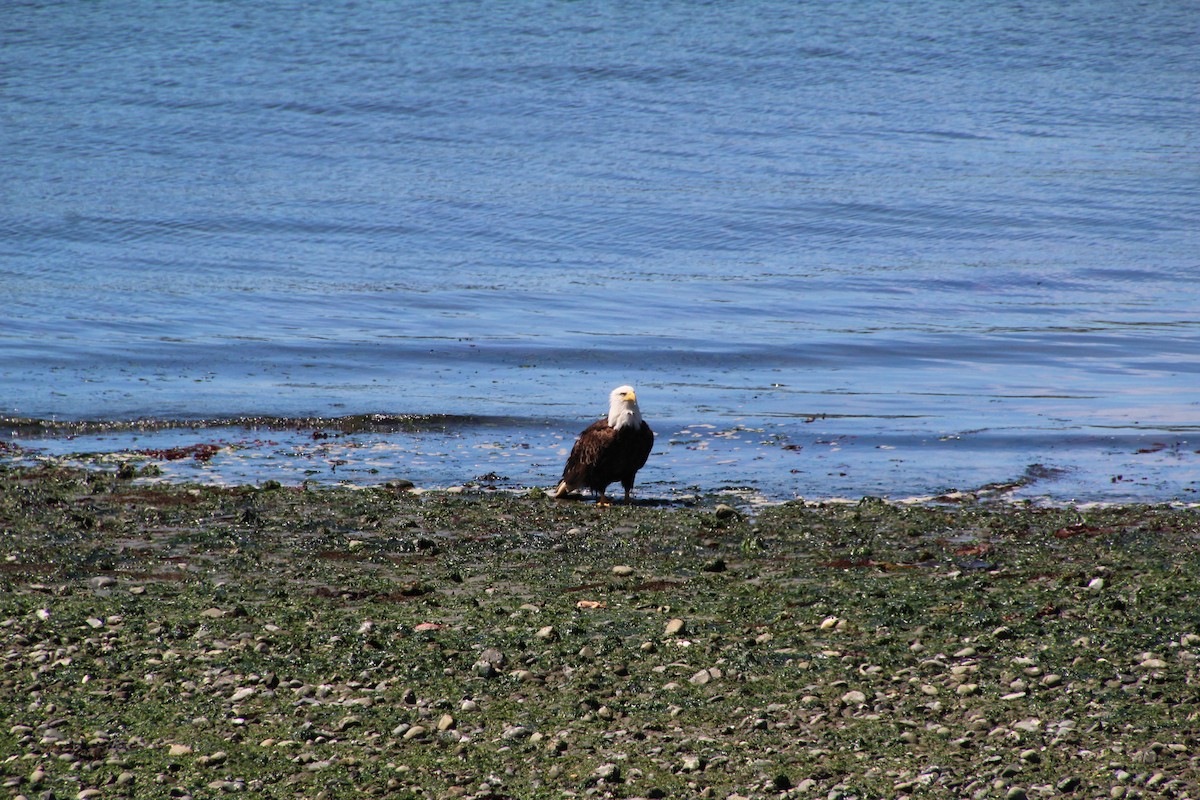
{"x":603,"y":455}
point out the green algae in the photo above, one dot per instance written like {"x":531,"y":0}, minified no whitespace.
{"x":380,"y":642}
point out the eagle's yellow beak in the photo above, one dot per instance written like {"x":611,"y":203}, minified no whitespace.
{"x":631,"y":397}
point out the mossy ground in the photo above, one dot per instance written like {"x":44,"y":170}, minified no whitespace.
{"x":294,"y":642}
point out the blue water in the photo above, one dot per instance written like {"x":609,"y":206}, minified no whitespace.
{"x":956,"y":238}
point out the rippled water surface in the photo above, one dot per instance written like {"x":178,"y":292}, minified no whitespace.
{"x":846,"y":248}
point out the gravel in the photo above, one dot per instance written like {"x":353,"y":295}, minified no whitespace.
{"x":288,"y":642}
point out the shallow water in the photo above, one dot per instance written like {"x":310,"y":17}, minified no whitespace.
{"x":761,"y":464}
{"x":955,"y":240}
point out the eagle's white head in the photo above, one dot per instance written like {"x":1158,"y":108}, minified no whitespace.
{"x":623,"y":408}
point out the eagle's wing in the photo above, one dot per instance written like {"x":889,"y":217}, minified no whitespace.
{"x":585,"y":454}
{"x":646,"y":444}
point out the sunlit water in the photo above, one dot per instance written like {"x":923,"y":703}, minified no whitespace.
{"x":880,"y":248}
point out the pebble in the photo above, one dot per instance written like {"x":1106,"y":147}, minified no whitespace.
{"x":102,"y":581}
{"x":546,"y":634}
{"x":675,"y":627}
{"x":177,"y":750}
{"x":492,"y":656}
{"x":446,"y":722}
{"x":1068,"y":784}
{"x":516,"y":732}
{"x":1095,"y":584}
{"x":854,"y":698}
{"x":241,"y":694}
{"x":227,"y":786}
{"x":1153,"y":663}
{"x":415,"y":731}
{"x":622,"y":571}
{"x":724,"y":511}
{"x":967,"y":689}
{"x":1052,"y":679}
{"x":609,"y":773}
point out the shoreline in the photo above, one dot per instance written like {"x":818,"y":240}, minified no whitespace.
{"x":287,"y":641}
{"x":763,"y":464}
{"x":144,"y":468}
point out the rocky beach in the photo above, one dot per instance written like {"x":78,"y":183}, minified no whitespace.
{"x":297,"y":641}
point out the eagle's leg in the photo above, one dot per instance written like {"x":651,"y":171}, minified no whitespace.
{"x":603,"y":499}
{"x":627,"y":491}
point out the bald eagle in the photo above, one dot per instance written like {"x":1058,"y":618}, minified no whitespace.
{"x":611,"y":449}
